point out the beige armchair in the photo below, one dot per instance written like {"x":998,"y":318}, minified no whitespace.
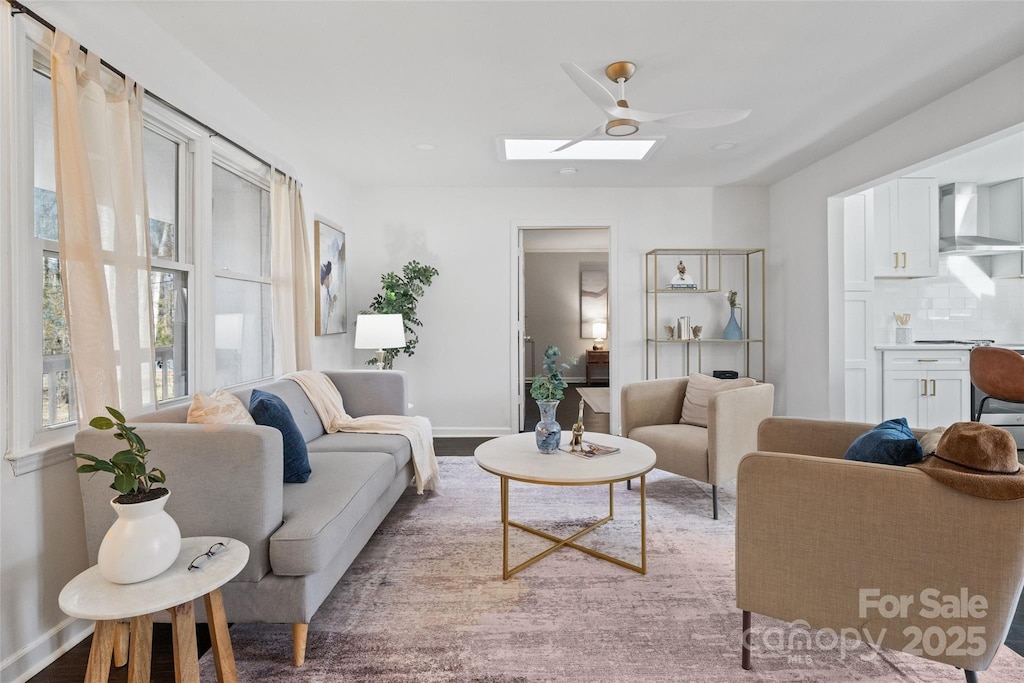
{"x":651,"y":412}
{"x":814,"y":530}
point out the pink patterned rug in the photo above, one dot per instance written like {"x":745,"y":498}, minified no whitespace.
{"x":425,"y":601}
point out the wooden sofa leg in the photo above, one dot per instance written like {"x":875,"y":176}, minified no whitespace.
{"x":714,"y":500}
{"x":745,"y":656}
{"x":972,"y":676}
{"x":299,"y":632}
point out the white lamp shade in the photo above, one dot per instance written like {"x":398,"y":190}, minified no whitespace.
{"x":382,"y":331}
{"x":600,"y":329}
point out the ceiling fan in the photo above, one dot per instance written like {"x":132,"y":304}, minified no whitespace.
{"x":623,"y":121}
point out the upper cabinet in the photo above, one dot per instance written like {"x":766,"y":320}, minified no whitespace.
{"x":906,"y":228}
{"x":1006,"y":221}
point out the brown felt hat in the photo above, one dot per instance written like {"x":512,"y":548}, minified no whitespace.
{"x":977,"y":459}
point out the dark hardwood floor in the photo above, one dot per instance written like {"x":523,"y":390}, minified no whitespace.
{"x":70,"y":668}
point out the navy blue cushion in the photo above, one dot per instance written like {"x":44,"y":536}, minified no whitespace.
{"x":268,"y":409}
{"x":890,"y":443}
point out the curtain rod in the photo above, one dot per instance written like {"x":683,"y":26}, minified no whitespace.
{"x":19,"y":8}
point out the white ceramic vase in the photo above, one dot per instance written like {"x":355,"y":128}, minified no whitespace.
{"x":142,"y":543}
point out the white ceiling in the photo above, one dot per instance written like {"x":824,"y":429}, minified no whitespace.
{"x":365,"y":81}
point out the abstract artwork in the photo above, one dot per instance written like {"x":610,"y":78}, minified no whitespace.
{"x":331,"y":299}
{"x":593,"y":296}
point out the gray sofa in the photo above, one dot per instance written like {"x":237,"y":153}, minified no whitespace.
{"x":226,"y":480}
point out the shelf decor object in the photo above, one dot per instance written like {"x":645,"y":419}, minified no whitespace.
{"x":714,"y":343}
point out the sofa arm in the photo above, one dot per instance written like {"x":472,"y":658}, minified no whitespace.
{"x":823,"y":438}
{"x":813,"y":533}
{"x":371,"y":392}
{"x":733,"y":420}
{"x":225,"y":480}
{"x":652,"y":402}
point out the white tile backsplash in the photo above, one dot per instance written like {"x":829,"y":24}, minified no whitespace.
{"x":945,"y":308}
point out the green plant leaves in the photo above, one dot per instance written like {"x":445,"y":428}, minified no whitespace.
{"x":401,"y":295}
{"x":116,"y":415}
{"x":101,"y":423}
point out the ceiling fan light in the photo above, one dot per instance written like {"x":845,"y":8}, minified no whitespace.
{"x":620,"y":128}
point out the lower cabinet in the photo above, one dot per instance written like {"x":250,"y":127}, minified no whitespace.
{"x":929,"y":389}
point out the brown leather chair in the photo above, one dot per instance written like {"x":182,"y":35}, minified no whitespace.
{"x":999,"y":373}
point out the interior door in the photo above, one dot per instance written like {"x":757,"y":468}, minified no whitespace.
{"x":521,"y":332}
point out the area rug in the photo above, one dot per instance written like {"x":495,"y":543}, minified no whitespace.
{"x":425,"y":601}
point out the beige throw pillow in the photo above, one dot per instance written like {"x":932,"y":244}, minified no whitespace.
{"x":699,"y":390}
{"x":930,"y":440}
{"x":220,"y":407}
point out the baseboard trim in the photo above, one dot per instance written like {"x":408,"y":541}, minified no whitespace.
{"x":54,"y":642}
{"x":447,"y":432}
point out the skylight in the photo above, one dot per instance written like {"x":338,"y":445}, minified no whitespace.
{"x":520,"y":149}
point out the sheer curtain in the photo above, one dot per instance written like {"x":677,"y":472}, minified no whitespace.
{"x":291,"y":278}
{"x":104,"y":241}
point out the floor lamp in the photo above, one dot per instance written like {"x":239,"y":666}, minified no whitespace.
{"x":380,"y":331}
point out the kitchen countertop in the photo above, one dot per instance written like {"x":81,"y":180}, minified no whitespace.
{"x":1017,"y":346}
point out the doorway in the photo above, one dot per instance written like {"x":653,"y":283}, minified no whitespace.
{"x":563,"y":300}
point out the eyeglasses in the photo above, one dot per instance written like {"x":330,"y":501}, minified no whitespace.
{"x":203,"y":559}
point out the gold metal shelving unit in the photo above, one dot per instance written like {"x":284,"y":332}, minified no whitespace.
{"x":720,"y":270}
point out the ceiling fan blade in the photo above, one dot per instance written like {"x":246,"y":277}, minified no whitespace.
{"x":701,"y":118}
{"x":597,"y":93}
{"x":594,"y":133}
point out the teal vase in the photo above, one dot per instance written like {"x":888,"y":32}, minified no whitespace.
{"x":732,"y":329}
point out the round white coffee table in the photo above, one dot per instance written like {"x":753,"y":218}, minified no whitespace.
{"x":90,"y":596}
{"x":516,"y":458}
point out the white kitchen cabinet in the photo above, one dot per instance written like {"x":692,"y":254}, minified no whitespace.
{"x":906,"y":228}
{"x":929,"y":388}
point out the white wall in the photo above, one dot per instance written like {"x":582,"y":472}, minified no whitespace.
{"x":42,"y":537}
{"x":553,"y":308}
{"x":461,"y":374}
{"x":801,"y":359}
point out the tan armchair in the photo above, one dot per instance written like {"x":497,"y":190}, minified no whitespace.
{"x":813,"y":530}
{"x":650,"y":415}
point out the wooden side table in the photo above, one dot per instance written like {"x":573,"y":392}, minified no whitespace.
{"x":596,"y":359}
{"x":90,"y":596}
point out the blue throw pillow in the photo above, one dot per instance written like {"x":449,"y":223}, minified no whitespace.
{"x":890,"y":443}
{"x":268,"y":409}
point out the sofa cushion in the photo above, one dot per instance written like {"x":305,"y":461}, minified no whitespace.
{"x":351,"y":442}
{"x":302,"y":410}
{"x":270,"y":410}
{"x":220,"y":407}
{"x":321,"y":514}
{"x":681,"y":448}
{"x":700,"y":389}
{"x":890,"y":443}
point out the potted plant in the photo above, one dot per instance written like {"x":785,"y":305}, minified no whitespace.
{"x":547,"y":391}
{"x":732,"y":328}
{"x":144,"y":540}
{"x":401,"y":295}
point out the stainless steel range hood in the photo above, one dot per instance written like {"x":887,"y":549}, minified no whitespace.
{"x":959,"y":231}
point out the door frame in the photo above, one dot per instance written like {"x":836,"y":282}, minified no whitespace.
{"x":517,"y":304}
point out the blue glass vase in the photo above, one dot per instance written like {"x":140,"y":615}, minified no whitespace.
{"x":548,"y":431}
{"x":732,"y":329}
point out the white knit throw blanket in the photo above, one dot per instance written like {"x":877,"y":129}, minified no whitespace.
{"x":330,"y":407}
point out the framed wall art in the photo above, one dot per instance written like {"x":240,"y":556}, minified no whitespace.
{"x":332,"y":298}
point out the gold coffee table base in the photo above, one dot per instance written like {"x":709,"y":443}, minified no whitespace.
{"x":570,"y":541}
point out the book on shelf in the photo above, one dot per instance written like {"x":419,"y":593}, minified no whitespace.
{"x":687,"y":285}
{"x":591,"y":450}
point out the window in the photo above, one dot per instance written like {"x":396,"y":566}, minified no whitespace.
{"x":166,"y":182}
{"x":241,"y":264}
{"x":57,"y":407}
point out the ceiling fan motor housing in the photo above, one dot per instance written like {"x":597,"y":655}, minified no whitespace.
{"x":620,"y":128}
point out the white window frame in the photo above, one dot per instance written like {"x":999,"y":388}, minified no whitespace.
{"x":251,"y":169}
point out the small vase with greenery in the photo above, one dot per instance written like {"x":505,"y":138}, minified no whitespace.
{"x":401,"y":295}
{"x":547,"y":390}
{"x":548,"y":385}
{"x":131,"y":478}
